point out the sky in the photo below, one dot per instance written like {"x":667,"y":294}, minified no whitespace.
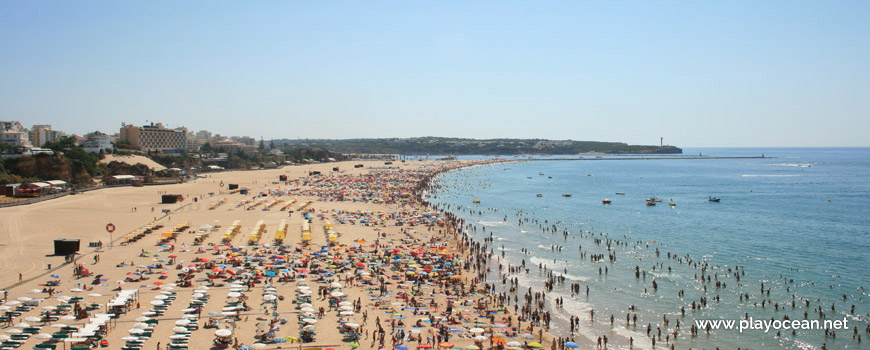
{"x":698,"y":73}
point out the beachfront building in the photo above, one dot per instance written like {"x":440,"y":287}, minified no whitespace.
{"x":13,"y":134}
{"x":155,"y":137}
{"x":41,"y":134}
{"x":96,"y":141}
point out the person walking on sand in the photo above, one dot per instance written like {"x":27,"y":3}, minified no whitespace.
{"x":20,"y":277}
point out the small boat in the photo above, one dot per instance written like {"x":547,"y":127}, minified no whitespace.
{"x":588,"y":174}
{"x":672,"y":203}
{"x":566,"y":195}
{"x":476,"y":201}
{"x":620,"y":193}
{"x":542,"y":174}
{"x":549,"y":177}
{"x":650,"y":201}
{"x":605,"y":201}
{"x":540,"y":195}
{"x":713,"y":199}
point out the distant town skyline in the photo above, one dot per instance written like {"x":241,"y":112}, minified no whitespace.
{"x":710,"y":74}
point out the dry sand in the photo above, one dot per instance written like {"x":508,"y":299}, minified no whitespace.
{"x":28,"y":233}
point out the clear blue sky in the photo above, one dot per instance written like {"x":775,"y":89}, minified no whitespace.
{"x":698,"y":73}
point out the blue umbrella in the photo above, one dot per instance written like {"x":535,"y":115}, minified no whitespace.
{"x":571,"y":344}
{"x":55,"y":276}
{"x":401,"y":347}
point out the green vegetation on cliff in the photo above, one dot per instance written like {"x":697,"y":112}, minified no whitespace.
{"x":461,"y":146}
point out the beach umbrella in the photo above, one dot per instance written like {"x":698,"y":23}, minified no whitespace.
{"x":34,"y":291}
{"x":182,"y":322}
{"x":471,"y":347}
{"x":135,"y":331}
{"x":59,"y":325}
{"x":309,"y":320}
{"x":346,"y":313}
{"x":476,"y":330}
{"x":13,"y":303}
{"x":480,"y":338}
{"x":140,"y":325}
{"x":178,"y":336}
{"x":269,"y":297}
{"x":180,"y":330}
{"x":223,"y":332}
{"x":160,"y":297}
{"x":424,"y":346}
{"x":401,"y":347}
{"x":353,"y":345}
{"x":571,"y":344}
{"x":68,"y":318}
{"x":156,"y":302}
{"x":445,"y":345}
{"x":142,"y":319}
{"x":32,"y":319}
{"x":534,"y":344}
{"x":24,"y":299}
{"x":234,"y":294}
{"x":43,"y":336}
{"x":352,"y":325}
{"x":514,"y":344}
{"x":214,"y":314}
{"x":129,"y":338}
{"x":527,"y":336}
{"x":22,"y":325}
{"x":14,"y":331}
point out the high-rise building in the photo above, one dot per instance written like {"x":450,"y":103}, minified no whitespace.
{"x":155,"y":137}
{"x":40,"y":134}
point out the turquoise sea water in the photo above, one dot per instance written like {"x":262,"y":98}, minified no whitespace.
{"x":797,"y":221}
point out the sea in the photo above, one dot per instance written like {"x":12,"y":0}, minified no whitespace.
{"x":796,"y":221}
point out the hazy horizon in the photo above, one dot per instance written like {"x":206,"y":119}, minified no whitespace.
{"x":708,"y":74}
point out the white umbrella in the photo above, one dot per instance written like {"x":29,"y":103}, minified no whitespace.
{"x":156,"y":302}
{"x":23,"y":299}
{"x":182,"y":322}
{"x":188,"y":310}
{"x":269,"y":297}
{"x":35,"y":291}
{"x":335,"y":285}
{"x":140,"y":325}
{"x":178,"y":336}
{"x":345,"y":303}
{"x":160,"y":297}
{"x":22,"y":325}
{"x":480,"y":338}
{"x":228,"y":313}
{"x":129,"y":338}
{"x":49,"y":308}
{"x":68,"y":318}
{"x":476,"y":330}
{"x":5,"y":308}
{"x":95,"y":295}
{"x":43,"y":336}
{"x":142,"y":319}
{"x":346,"y":313}
{"x":307,"y":309}
{"x":309,"y":320}
{"x":32,"y":319}
{"x":223,"y":332}
{"x":258,"y":346}
{"x":514,"y":344}
{"x":352,"y":325}
{"x":337,"y":294}
{"x":13,"y":331}
{"x":59,"y":325}
{"x":13,"y":303}
{"x":180,"y":330}
{"x":4,"y":337}
{"x":76,"y":290}
{"x":234,"y":294}
{"x":308,"y":328}
{"x":305,"y":305}
{"x":135,"y":331}
{"x":345,"y":308}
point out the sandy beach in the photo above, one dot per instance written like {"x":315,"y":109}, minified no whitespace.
{"x":380,"y":270}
